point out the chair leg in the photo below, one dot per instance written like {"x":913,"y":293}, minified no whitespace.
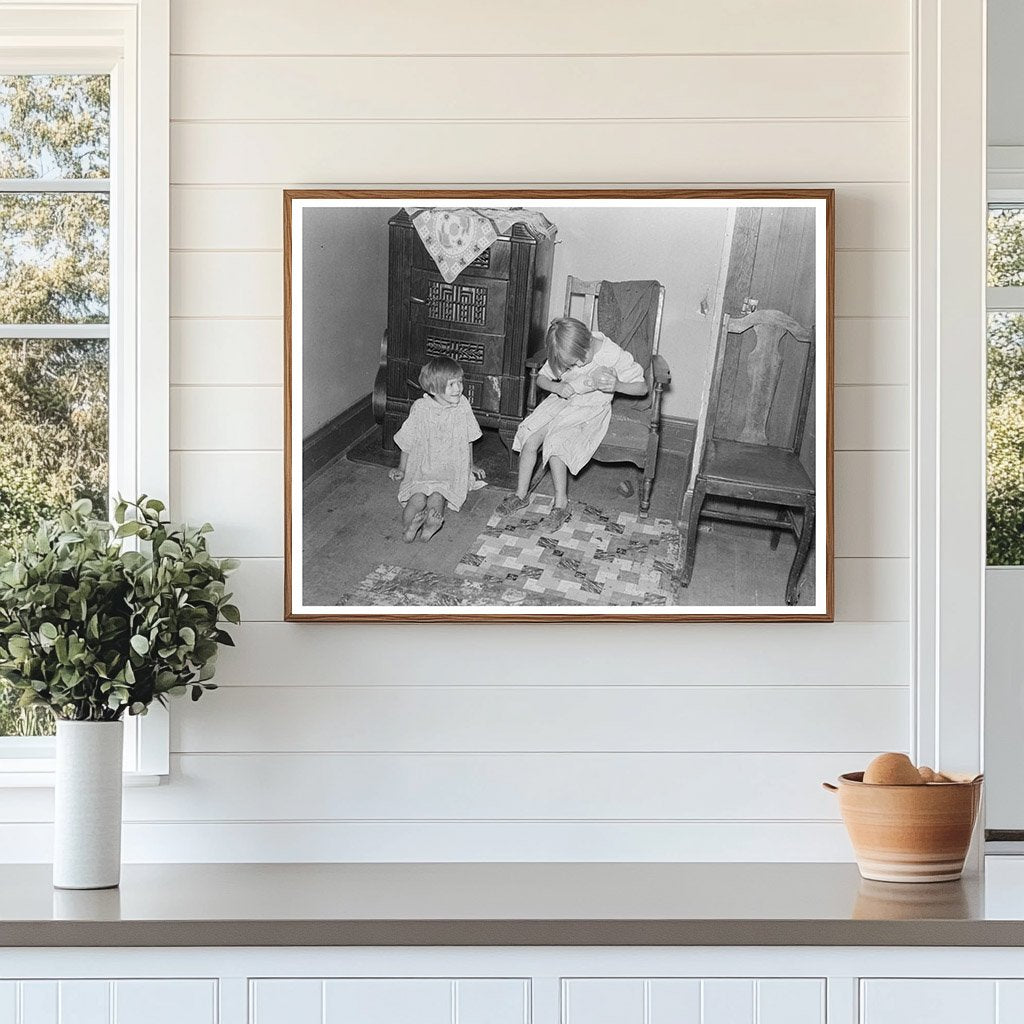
{"x":780,"y":515}
{"x":645,"y":489}
{"x":699,"y":490}
{"x":803,"y":548}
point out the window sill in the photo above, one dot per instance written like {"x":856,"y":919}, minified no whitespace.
{"x":40,"y":774}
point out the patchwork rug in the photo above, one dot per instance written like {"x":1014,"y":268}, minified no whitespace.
{"x":393,"y":585}
{"x":596,"y":558}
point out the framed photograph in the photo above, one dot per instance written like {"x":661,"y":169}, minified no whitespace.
{"x":558,"y":405}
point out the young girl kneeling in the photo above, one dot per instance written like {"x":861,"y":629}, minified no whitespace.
{"x":583,"y":372}
{"x":436,"y":466}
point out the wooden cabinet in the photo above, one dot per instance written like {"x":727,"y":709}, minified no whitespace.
{"x":490,"y":319}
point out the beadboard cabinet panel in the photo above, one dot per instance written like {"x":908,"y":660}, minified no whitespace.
{"x":930,"y":1001}
{"x":732,"y":26}
{"x":693,"y":1001}
{"x":389,"y":1001}
{"x":223,"y":88}
{"x":736,"y":152}
{"x":101,"y":1001}
{"x":218,"y":217}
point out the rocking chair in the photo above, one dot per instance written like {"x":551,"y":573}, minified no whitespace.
{"x":635,"y":429}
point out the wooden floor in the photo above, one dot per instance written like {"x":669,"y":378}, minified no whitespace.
{"x":352,"y":524}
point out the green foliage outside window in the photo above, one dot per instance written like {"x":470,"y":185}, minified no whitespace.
{"x":1005,"y":478}
{"x":54,"y":269}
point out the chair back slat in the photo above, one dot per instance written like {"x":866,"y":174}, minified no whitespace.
{"x":764,"y":369}
{"x":577,"y":287}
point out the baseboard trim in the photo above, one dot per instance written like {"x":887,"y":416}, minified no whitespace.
{"x":325,"y":444}
{"x":678,"y":435}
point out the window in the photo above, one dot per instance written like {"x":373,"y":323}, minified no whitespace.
{"x":1005,"y":476}
{"x":54,"y":309}
{"x":84,"y":126}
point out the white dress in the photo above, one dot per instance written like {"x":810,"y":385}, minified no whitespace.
{"x":577,"y":425}
{"x":437,"y":437}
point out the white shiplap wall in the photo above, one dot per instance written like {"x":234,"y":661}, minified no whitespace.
{"x":679,"y":741}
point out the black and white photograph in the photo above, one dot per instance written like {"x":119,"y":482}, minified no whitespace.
{"x":558,"y":405}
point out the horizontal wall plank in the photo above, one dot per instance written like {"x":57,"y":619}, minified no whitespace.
{"x":872,"y":501}
{"x":489,"y":719}
{"x":241,"y":493}
{"x":670,"y":654}
{"x":227,"y":352}
{"x":872,"y":350}
{"x":574,"y":152}
{"x":868,"y":350}
{"x":230,"y":88}
{"x":872,"y":504}
{"x":258,"y":586}
{"x":234,"y":284}
{"x":872,"y":418}
{"x":868,"y":216}
{"x":469,"y":26}
{"x":445,"y":786}
{"x":872,"y":590}
{"x":240,"y":418}
{"x":873,"y":283}
{"x":867,"y":589}
{"x":212,"y":418}
{"x":459,"y":842}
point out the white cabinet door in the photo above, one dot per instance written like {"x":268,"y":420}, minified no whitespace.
{"x":693,"y":1001}
{"x":942,"y":1001}
{"x":389,"y":1001}
{"x":100,"y":1001}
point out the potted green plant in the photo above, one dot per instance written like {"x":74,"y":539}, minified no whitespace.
{"x":93,"y":629}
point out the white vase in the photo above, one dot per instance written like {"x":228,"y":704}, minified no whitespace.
{"x":87,"y":805}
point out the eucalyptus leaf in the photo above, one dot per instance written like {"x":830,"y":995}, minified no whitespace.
{"x":92,"y":631}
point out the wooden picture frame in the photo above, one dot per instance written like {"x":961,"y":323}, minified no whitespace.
{"x":721,"y":375}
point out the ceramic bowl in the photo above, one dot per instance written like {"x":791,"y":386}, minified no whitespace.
{"x":909,"y":833}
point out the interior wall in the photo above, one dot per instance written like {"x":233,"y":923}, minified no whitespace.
{"x":345,"y":308}
{"x":684,"y":253}
{"x":535,"y":742}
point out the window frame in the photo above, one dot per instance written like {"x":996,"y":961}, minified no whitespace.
{"x":130,"y":41}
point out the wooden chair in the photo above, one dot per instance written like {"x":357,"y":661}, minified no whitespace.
{"x":635,"y":429}
{"x":757,"y":411}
